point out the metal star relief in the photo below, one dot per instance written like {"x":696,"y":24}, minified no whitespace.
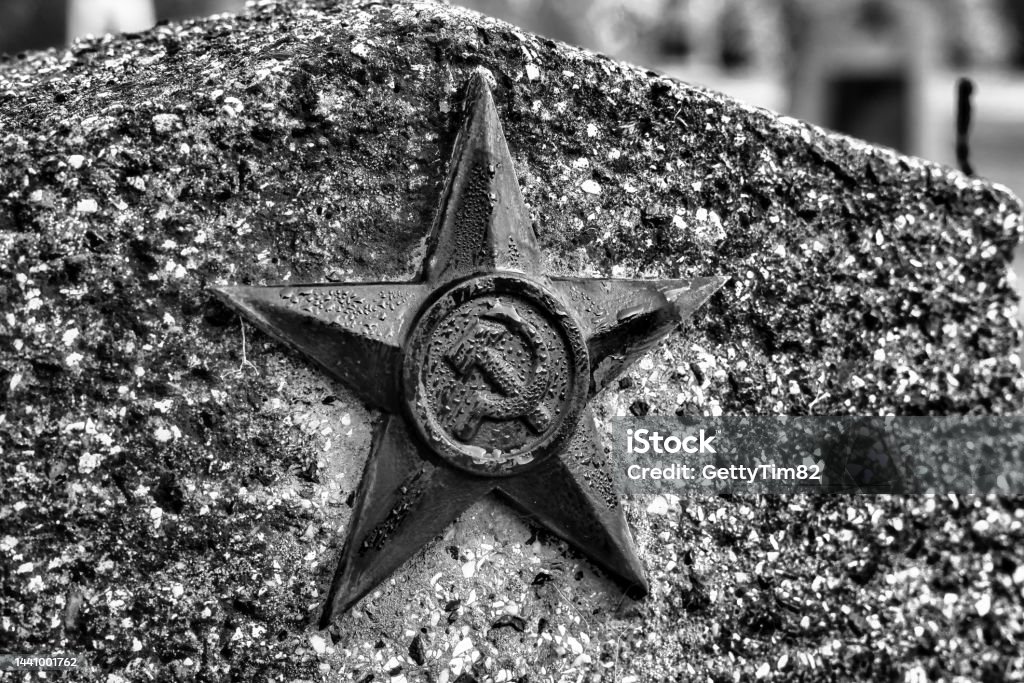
{"x":484,"y":367}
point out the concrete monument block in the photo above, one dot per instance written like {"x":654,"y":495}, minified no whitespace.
{"x":177,"y":484}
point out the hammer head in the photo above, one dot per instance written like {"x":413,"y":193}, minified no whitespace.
{"x":477,"y":338}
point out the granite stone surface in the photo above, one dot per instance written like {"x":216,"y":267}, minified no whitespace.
{"x":176,"y":485}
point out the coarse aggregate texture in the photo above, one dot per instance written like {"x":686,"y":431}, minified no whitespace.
{"x":176,"y":484}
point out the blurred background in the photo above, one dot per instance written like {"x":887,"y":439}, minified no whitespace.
{"x":888,"y":71}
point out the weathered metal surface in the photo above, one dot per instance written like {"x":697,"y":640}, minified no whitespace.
{"x":485,"y":367}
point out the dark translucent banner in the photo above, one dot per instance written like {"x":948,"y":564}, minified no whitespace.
{"x":938,"y":455}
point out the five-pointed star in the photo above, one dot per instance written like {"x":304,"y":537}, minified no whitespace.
{"x":484,"y":367}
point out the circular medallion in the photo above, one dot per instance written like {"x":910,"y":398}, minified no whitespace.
{"x":495,"y":374}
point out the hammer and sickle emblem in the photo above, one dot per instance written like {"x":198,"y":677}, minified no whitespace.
{"x":516,"y":394}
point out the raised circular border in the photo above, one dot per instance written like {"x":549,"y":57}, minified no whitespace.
{"x":448,"y":300}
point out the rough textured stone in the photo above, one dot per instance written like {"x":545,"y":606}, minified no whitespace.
{"x":176,"y":485}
